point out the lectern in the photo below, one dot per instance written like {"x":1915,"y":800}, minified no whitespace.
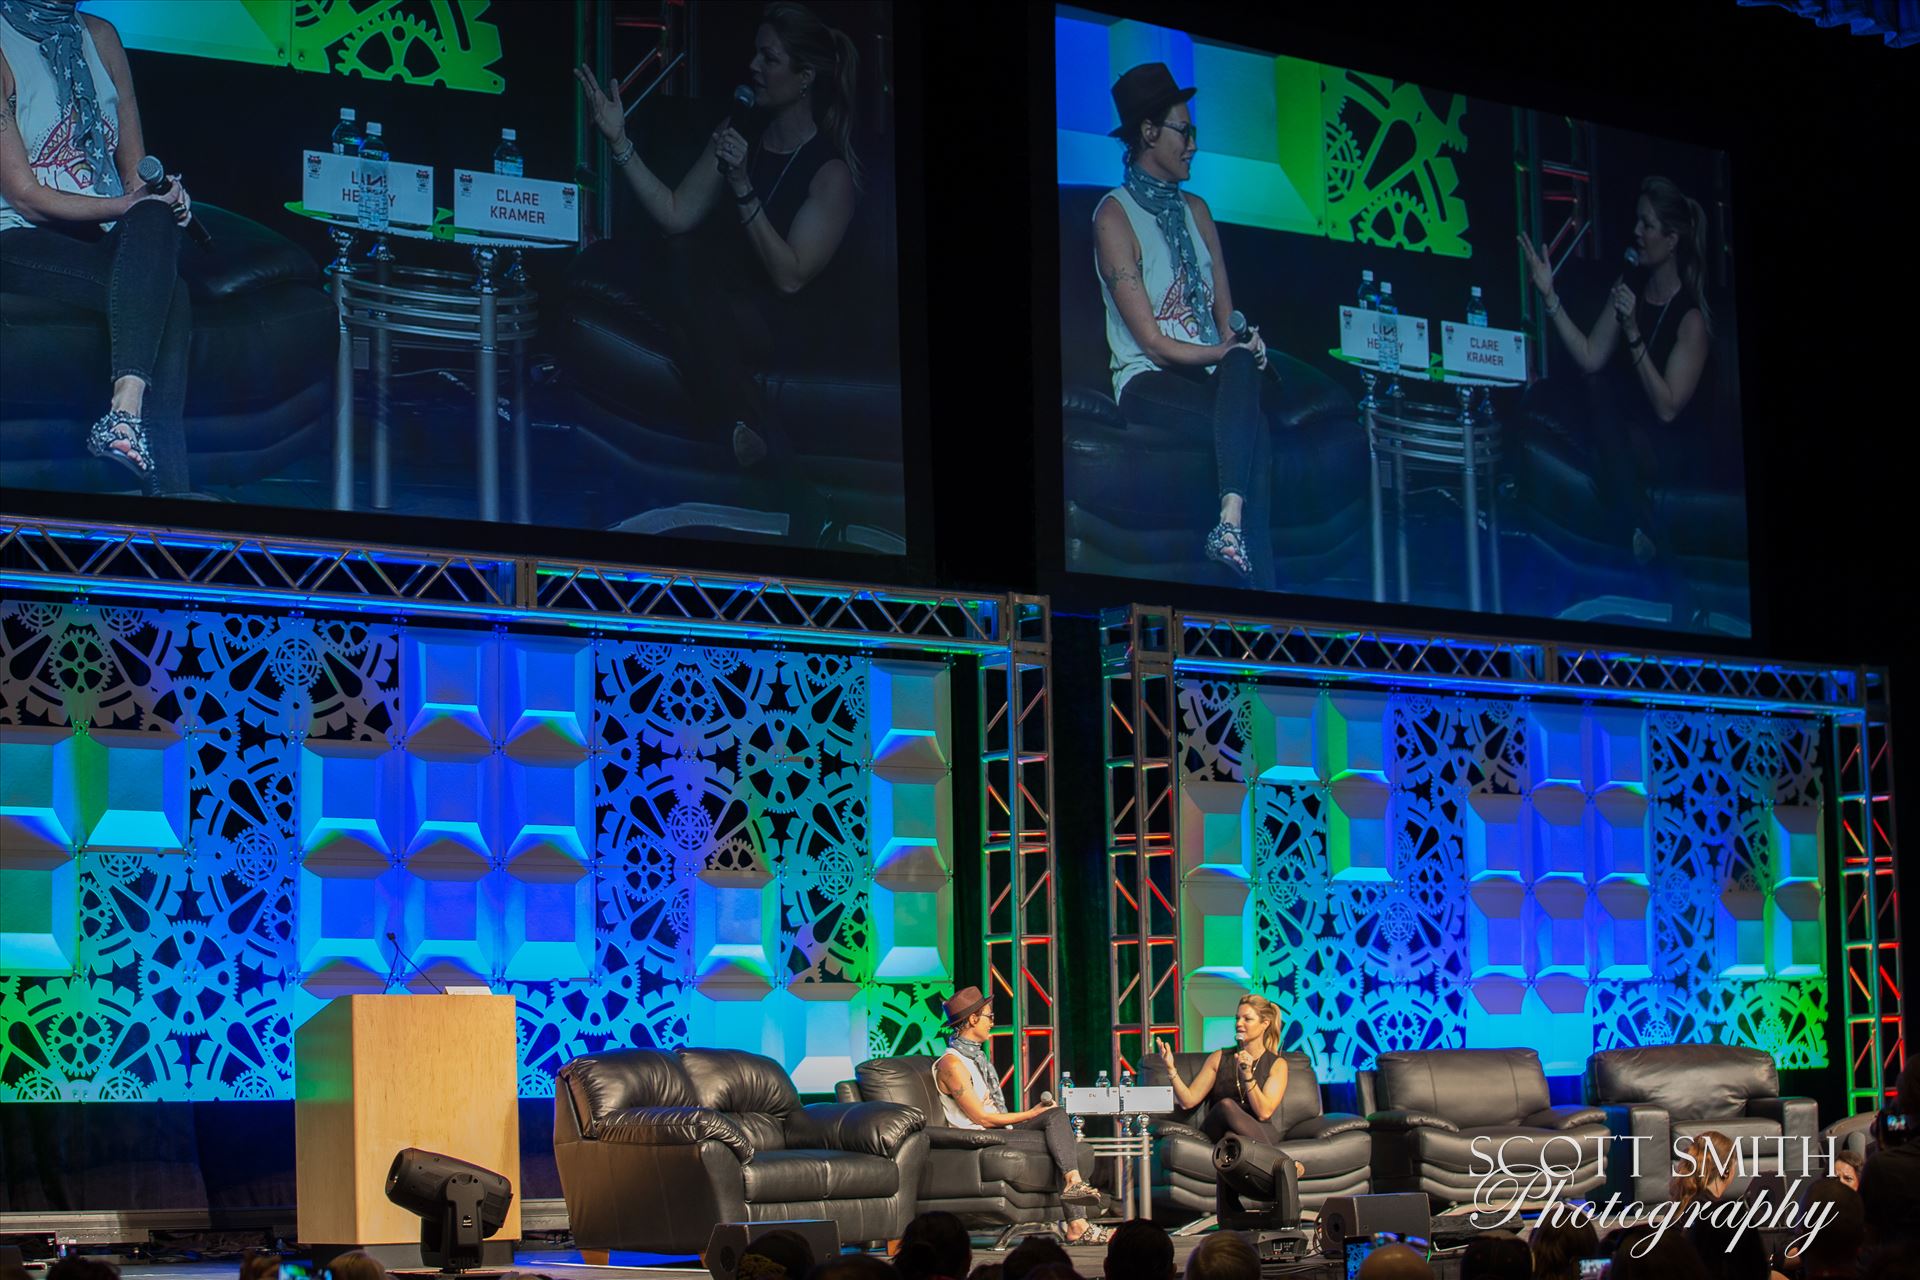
{"x":374,"y":1074}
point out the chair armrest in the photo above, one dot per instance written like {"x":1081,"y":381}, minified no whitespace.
{"x":1797,"y":1117}
{"x":1161,"y":1128}
{"x":876,"y":1128}
{"x":672,"y":1127}
{"x":1406,"y":1121}
{"x":1565,"y":1117}
{"x":847,"y":1091}
{"x":1641,"y":1120}
{"x":947,"y":1137}
{"x":1327,"y":1126}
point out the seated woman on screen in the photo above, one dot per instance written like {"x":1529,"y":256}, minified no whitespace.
{"x":1164,"y":281}
{"x":77,"y":224}
{"x":1243,"y":1086}
{"x":1649,"y":348}
{"x":792,"y":192}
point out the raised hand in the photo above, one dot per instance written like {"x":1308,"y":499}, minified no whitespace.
{"x":609,"y":116}
{"x":1538,"y":270}
{"x":1165,"y":1051}
{"x":1623,"y":304}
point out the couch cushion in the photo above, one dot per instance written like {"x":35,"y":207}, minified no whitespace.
{"x":1191,"y":1156}
{"x":604,"y":1083}
{"x":1740,"y":1128}
{"x":1021,"y":1162}
{"x":752,"y":1089}
{"x":807,"y":1173}
{"x":1473,"y":1088}
{"x":1692,"y":1081}
{"x":246,"y":257}
{"x":1514,"y":1147}
{"x":1332,"y":1157}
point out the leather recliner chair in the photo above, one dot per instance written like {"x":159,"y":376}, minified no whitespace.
{"x":1140,"y":499}
{"x":1334,"y":1147}
{"x":654,"y":1148}
{"x":1700,"y":494}
{"x":987,"y":1177}
{"x":1657,"y":1095}
{"x":259,"y":369}
{"x":1441,"y":1117}
{"x":656,"y":465}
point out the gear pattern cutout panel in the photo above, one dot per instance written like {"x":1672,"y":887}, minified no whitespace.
{"x":212,"y":823}
{"x":1412,"y":872}
{"x":450,"y":43}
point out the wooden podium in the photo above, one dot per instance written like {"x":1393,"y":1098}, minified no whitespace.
{"x":375,"y":1074}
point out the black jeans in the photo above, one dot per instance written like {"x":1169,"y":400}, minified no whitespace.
{"x":1228,"y":1116}
{"x":1057,"y":1129}
{"x":1234,"y":403}
{"x":1623,"y":437}
{"x":131,"y":276}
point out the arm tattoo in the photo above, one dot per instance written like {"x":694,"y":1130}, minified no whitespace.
{"x":6,"y":116}
{"x":1122,"y":274}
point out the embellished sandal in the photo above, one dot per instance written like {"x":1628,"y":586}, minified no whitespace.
{"x":117,"y":426}
{"x":1227,"y":545}
{"x":1094,"y":1234}
{"x":748,"y":447}
{"x":1081,"y":1192}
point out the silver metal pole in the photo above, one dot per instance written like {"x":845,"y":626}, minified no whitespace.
{"x":1374,"y":504}
{"x":487,"y":375}
{"x":342,"y":268}
{"x":382,"y":371}
{"x":522,"y":428}
{"x":1471,"y":483}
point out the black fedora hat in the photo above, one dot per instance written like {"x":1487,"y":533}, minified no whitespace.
{"x":1144,"y":93}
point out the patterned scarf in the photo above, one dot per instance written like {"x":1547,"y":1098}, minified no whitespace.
{"x":54,"y":25}
{"x":976,"y":1053}
{"x":1169,"y":210}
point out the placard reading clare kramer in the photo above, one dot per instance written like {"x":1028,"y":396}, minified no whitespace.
{"x":495,"y":204}
{"x":1483,"y":351}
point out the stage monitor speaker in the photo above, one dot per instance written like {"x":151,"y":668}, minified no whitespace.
{"x":730,"y":1240}
{"x":1406,"y":1213}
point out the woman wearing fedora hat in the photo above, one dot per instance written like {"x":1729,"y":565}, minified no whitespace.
{"x":971,"y":1097}
{"x":1164,"y":281}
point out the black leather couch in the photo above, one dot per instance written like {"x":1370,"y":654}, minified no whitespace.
{"x":259,"y":380}
{"x":1427,"y":1107}
{"x":1334,"y":1147}
{"x":1661,"y":1094}
{"x":654,"y":1148}
{"x":988,"y":1177}
{"x":1700,"y":496}
{"x":1141,"y":499}
{"x":657,"y":465}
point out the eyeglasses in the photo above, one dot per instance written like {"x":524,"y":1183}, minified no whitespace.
{"x":1189,"y":132}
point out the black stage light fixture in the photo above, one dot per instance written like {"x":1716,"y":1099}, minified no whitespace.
{"x":1257,"y":1172}
{"x":459,"y":1203}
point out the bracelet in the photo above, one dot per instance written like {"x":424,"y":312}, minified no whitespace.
{"x":624,"y":158}
{"x":1553,"y":307}
{"x":1636,"y":342}
{"x":1637,"y":359}
{"x":745,"y":199}
{"x":750,"y":217}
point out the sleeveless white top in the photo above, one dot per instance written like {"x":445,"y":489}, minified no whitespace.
{"x":1166,"y":287}
{"x":57,"y":160}
{"x":955,"y":1116}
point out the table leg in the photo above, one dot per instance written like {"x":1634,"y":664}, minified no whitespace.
{"x":1374,"y":505}
{"x":522,"y":444}
{"x":1400,"y":519}
{"x":342,"y":268}
{"x":1470,"y":477}
{"x":1493,"y":538}
{"x":382,"y":372}
{"x":1145,"y":1176}
{"x":487,"y":376}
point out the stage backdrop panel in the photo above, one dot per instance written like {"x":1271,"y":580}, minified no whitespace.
{"x":1410,"y":872}
{"x":211,"y":823}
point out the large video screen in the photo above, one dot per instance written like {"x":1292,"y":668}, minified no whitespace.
{"x":1328,"y":333}
{"x":593,"y":269}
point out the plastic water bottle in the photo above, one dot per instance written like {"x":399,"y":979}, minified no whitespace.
{"x":375,"y":199}
{"x":1369,"y":299}
{"x":1389,"y":332}
{"x":1126,"y":1077}
{"x":1066,"y":1081}
{"x":1103,"y":1082}
{"x":506,"y":156}
{"x":1476,"y":308}
{"x":347,"y":137}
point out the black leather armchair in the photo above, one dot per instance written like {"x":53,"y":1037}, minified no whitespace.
{"x":987,"y":1177}
{"x":1334,"y":1147}
{"x":1440,"y":1117}
{"x":1700,"y":494}
{"x":654,"y":1148}
{"x":656,"y":466}
{"x":1658,"y":1095}
{"x":259,"y":372}
{"x":1140,"y":499}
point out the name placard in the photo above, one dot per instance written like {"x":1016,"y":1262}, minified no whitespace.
{"x":1087,"y":1100}
{"x":1360,"y":338}
{"x":331,"y":184}
{"x":1483,"y":352}
{"x":498,"y":204}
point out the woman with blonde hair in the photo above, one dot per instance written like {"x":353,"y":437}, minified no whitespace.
{"x":1243,"y":1088}
{"x":1705,"y":1170}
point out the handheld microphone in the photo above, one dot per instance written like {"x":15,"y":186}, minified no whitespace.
{"x":1631,"y":257}
{"x":398,"y":953}
{"x":743,"y":97}
{"x":154,"y":174}
{"x":1237,"y":324}
{"x":1046,"y":1097}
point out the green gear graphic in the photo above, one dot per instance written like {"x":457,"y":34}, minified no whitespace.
{"x":1412,"y":203}
{"x":392,"y":40}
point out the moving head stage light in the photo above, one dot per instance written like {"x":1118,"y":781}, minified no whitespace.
{"x":459,"y":1204}
{"x":1256,"y":1172}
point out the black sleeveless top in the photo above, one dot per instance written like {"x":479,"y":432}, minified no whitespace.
{"x":782,"y":179}
{"x":1226,"y":1077}
{"x":1659,"y":328}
